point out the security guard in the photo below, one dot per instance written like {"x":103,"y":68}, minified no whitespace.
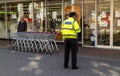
{"x":69,"y":29}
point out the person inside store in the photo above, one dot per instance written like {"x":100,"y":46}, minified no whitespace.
{"x":58,"y":21}
{"x":22,"y":25}
{"x":52,"y":25}
{"x":85,"y":29}
{"x":70,"y":29}
{"x":82,"y":22}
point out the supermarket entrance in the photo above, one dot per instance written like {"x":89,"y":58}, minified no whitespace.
{"x":101,"y":23}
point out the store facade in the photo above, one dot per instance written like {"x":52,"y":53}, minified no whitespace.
{"x":99,"y":19}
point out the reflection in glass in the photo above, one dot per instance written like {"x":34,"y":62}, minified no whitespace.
{"x":103,"y":22}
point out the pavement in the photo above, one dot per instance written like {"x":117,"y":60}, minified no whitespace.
{"x":85,"y":51}
{"x":96,"y":52}
{"x":17,"y":63}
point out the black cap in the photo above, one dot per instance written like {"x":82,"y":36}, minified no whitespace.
{"x":72,"y":14}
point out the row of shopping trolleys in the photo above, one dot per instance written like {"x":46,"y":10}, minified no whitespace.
{"x":34,"y":42}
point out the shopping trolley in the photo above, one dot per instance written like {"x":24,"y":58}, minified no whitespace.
{"x":12,"y":41}
{"x":34,"y":42}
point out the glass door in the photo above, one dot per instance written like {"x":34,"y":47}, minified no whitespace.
{"x":88,"y":23}
{"x":116,"y":24}
{"x":103,"y":27}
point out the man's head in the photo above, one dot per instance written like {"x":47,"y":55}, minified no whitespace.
{"x":21,"y":18}
{"x":73,"y":14}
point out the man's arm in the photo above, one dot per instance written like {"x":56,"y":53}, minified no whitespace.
{"x":77,"y":27}
{"x":25,"y":26}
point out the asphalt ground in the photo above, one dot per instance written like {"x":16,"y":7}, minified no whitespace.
{"x":17,"y":63}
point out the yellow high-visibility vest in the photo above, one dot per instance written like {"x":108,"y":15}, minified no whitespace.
{"x":70,"y":28}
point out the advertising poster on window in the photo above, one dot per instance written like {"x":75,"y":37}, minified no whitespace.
{"x":54,"y":14}
{"x":20,"y":9}
{"x":104,"y":19}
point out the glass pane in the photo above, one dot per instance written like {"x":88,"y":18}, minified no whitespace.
{"x":2,"y":21}
{"x":88,"y":22}
{"x":28,"y":14}
{"x":103,"y":22}
{"x":54,"y":15}
{"x":39,"y":12}
{"x":14,"y":11}
{"x":12,"y":18}
{"x":116,"y":26}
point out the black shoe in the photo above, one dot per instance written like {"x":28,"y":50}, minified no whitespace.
{"x":75,"y":68}
{"x":65,"y":67}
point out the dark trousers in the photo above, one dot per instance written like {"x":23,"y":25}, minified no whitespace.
{"x":70,"y":47}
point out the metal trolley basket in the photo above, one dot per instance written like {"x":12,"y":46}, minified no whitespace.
{"x":34,"y":42}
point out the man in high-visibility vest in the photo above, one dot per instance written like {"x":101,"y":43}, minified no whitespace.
{"x":70,"y":29}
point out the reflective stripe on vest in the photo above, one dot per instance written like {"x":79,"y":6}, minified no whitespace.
{"x":68,"y":25}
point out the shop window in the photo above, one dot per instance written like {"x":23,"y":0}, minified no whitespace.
{"x":3,"y":32}
{"x":14,"y":11}
{"x":116,"y":24}
{"x":54,"y":13}
{"x":88,"y":23}
{"x":39,"y":15}
{"x":103,"y":22}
